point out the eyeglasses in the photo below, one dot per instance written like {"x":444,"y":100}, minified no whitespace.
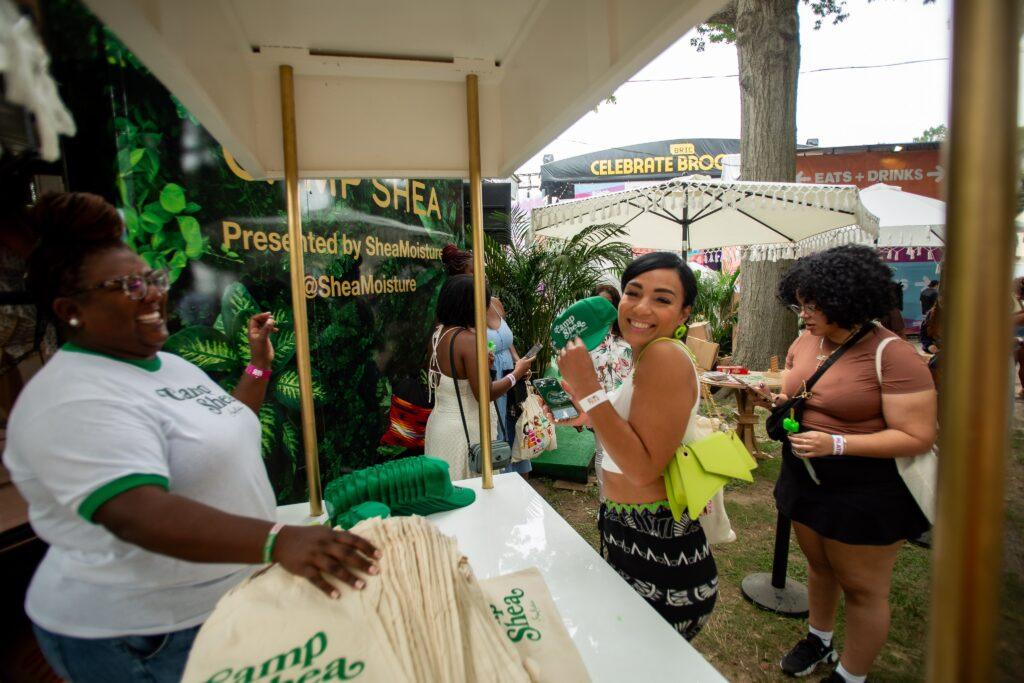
{"x":135,"y":287}
{"x":810,"y":309}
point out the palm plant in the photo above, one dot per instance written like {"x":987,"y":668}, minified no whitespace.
{"x":715,"y":304}
{"x":538,"y":280}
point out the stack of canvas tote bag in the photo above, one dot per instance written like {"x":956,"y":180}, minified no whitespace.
{"x":423,"y":617}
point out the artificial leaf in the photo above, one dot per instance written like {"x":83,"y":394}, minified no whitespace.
{"x":204,"y":347}
{"x":172,"y":198}
{"x":193,"y":236}
{"x":237,"y":306}
{"x":287,"y":392}
{"x":192,"y":207}
{"x":218,"y":324}
{"x":284,"y":348}
{"x":136,"y":156}
{"x":290,"y":442}
{"x":131,"y":220}
{"x":268,"y":428}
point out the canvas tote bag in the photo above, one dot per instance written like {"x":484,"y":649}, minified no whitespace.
{"x":424,"y":617}
{"x":919,"y":472}
{"x":523,"y":607}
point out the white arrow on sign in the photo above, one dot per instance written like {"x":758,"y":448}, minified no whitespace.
{"x":801,"y":178}
{"x":938,"y":174}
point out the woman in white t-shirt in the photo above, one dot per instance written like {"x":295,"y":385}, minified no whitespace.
{"x":140,"y":472}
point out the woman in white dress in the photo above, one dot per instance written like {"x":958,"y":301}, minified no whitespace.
{"x":446,"y":437}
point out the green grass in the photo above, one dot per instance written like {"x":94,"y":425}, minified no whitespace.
{"x":746,"y":643}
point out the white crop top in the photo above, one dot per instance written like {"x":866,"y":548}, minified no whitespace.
{"x":622,"y":397}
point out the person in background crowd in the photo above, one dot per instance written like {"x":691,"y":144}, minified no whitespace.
{"x":851,"y":525}
{"x":505,"y":356}
{"x":1018,"y":330}
{"x":640,"y":428}
{"x":929,"y":295}
{"x":143,"y":476}
{"x":613,"y":362}
{"x":893,"y":318}
{"x":445,"y":436}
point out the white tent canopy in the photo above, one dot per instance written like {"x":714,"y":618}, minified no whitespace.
{"x":380,"y":84}
{"x":699,"y":213}
{"x":905,"y":219}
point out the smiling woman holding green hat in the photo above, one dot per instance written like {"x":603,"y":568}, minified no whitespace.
{"x":640,"y":427}
{"x":143,"y":475}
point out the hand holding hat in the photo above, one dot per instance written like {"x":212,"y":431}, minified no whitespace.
{"x":589,"y":319}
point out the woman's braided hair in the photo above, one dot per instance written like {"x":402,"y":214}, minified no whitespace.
{"x":850,"y":284}
{"x":70,"y":227}
{"x":456,"y":261}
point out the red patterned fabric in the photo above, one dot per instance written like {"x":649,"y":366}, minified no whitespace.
{"x":408,"y":424}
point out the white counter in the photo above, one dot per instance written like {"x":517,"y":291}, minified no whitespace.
{"x":620,"y":637}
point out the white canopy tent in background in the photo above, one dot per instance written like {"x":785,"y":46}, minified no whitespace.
{"x":770,"y":219}
{"x":905,"y":219}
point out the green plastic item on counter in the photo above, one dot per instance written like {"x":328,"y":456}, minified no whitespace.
{"x":418,"y":485}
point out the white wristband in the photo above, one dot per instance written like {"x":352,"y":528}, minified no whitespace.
{"x":838,"y":444}
{"x":590,"y":402}
{"x":511,"y":378}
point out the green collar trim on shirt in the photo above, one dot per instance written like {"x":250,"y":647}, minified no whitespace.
{"x":115,"y":488}
{"x":150,"y":364}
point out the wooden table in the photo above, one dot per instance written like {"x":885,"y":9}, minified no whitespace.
{"x":746,"y":418}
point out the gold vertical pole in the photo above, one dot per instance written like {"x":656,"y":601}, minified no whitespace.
{"x":476,"y":204}
{"x":973,"y":407}
{"x":298,"y":275}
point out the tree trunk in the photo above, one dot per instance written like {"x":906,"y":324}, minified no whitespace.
{"x":768,"y":50}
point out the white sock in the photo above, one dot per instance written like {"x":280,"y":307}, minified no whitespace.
{"x":849,"y":677}
{"x":825,"y":636}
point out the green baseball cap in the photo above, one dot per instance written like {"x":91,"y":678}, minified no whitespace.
{"x":356,"y":514}
{"x":418,"y":485}
{"x":590,"y":319}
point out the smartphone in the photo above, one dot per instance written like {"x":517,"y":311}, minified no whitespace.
{"x":534,"y":350}
{"x":556,"y":399}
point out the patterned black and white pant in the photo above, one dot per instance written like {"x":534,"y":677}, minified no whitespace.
{"x":669,"y":563}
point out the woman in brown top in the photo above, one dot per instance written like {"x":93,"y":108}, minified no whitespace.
{"x":851,"y":522}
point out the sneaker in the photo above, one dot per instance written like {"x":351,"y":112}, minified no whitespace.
{"x":806,"y":655}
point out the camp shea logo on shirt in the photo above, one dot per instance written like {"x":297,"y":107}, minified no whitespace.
{"x":203,"y":395}
{"x":515,"y":617}
{"x":297,"y":664}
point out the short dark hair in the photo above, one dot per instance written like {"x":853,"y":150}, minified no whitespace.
{"x":664,"y":259}
{"x":850,"y":284}
{"x":455,"y":302}
{"x":71,"y":227}
{"x":933,"y":283}
{"x":616,"y":298}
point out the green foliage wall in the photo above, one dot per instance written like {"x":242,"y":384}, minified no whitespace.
{"x":177,"y":193}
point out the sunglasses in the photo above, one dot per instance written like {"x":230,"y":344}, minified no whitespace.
{"x":135,"y":287}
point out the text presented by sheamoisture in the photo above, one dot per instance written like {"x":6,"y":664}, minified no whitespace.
{"x":414,"y":198}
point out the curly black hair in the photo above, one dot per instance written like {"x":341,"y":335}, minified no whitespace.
{"x":850,"y":284}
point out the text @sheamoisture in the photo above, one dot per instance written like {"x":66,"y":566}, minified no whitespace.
{"x":328,"y":286}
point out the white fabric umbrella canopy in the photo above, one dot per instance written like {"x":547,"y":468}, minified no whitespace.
{"x":905,"y":219}
{"x":700,"y":213}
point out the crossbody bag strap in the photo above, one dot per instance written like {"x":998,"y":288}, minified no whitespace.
{"x":455,"y":381}
{"x":458,"y":395}
{"x":837,"y":354}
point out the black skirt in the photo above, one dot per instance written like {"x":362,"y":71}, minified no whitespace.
{"x":860,"y":501}
{"x":667,"y":562}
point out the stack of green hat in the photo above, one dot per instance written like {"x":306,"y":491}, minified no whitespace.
{"x":589,"y":319}
{"x":356,"y":514}
{"x":409,"y":486}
